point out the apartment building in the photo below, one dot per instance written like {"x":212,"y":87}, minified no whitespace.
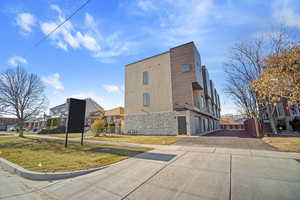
{"x":286,"y":117}
{"x":170,"y":94}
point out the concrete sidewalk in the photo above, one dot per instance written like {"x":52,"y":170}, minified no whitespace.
{"x":175,"y":173}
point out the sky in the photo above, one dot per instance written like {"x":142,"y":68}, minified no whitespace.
{"x":86,"y":57}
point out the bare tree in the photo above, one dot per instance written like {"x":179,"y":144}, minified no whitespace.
{"x":21,"y":95}
{"x":244,"y":65}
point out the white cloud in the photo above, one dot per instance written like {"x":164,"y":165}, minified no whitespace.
{"x":66,"y":36}
{"x":146,"y":5}
{"x":112,"y":45}
{"x":179,"y":22}
{"x":54,"y":81}
{"x":88,"y":37}
{"x":84,"y":95}
{"x":16,"y":60}
{"x":112,"y":88}
{"x":106,"y":102}
{"x":26,"y":21}
{"x":88,"y":42}
{"x":284,"y":12}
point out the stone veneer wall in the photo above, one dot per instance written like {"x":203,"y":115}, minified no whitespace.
{"x":161,"y":123}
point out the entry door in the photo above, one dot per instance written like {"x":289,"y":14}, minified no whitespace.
{"x":181,"y":125}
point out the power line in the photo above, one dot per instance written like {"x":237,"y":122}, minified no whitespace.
{"x":57,"y":27}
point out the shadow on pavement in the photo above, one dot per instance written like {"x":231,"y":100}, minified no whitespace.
{"x":156,"y":156}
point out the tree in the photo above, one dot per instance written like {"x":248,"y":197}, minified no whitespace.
{"x":97,"y":127}
{"x":280,"y":78}
{"x":244,"y":66}
{"x":21,"y":95}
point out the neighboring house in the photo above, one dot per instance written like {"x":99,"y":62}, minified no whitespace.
{"x":284,"y":116}
{"x":116,"y":114}
{"x":59,"y":114}
{"x":36,"y":123}
{"x":171,"y":94}
{"x":6,"y":122}
{"x":232,"y":122}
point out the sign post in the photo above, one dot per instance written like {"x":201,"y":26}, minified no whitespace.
{"x":76,"y":118}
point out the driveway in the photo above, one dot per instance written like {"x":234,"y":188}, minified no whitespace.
{"x":227,"y":139}
{"x":174,"y":172}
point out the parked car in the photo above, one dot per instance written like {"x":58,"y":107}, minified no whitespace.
{"x":11,"y":129}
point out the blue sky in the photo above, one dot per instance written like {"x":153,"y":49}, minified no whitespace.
{"x":86,"y":57}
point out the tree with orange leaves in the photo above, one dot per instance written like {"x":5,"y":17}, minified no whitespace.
{"x":280,"y":78}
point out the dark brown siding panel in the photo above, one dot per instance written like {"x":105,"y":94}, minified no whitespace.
{"x":182,"y":93}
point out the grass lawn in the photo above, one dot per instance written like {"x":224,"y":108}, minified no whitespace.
{"x":70,"y":135}
{"x":5,"y":133}
{"x":288,"y":144}
{"x":50,"y":155}
{"x":140,"y":139}
{"x":298,"y":160}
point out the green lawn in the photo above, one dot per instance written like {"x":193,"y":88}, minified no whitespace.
{"x":44,"y":155}
{"x":139,"y":139}
{"x":5,"y":133}
{"x":288,"y":144}
{"x":298,"y":160}
{"x":70,"y":135}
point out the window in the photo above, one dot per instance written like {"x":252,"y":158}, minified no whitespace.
{"x":294,"y":109}
{"x":186,"y":68}
{"x":146,"y":100}
{"x":145,"y":78}
{"x":280,"y":109}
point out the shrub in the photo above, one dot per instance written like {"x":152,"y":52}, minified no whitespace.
{"x":122,"y":127}
{"x":112,"y":126}
{"x":97,"y":127}
{"x":55,"y":130}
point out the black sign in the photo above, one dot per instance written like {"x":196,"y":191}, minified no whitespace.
{"x":76,"y":115}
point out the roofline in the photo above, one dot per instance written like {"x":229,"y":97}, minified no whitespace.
{"x":115,"y":108}
{"x":58,"y":105}
{"x":147,"y":58}
{"x":191,"y":42}
{"x":160,"y":53}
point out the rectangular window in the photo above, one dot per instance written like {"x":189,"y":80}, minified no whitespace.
{"x":294,"y":110}
{"x":186,"y":68}
{"x":145,"y":78}
{"x":146,"y":100}
{"x":280,"y":109}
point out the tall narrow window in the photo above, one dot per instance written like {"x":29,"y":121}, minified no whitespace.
{"x":146,"y":100}
{"x":280,"y":109}
{"x":145,"y":78}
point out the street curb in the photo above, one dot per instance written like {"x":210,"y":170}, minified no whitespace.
{"x":40,"y":176}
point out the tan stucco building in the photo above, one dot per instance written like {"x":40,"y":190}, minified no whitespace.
{"x":170,"y":94}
